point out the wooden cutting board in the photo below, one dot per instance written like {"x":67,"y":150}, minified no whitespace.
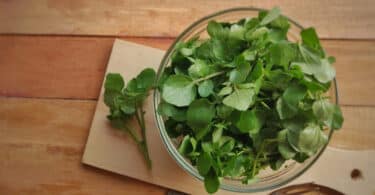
{"x":107,"y":149}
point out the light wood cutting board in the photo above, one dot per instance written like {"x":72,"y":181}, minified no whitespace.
{"x":109,"y":150}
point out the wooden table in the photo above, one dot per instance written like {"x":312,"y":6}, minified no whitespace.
{"x":52,"y":59}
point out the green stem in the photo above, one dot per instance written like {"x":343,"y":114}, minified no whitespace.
{"x":142,"y":146}
{"x":131,"y":133}
{"x":208,"y":77}
{"x":261,"y":148}
{"x":141,"y":121}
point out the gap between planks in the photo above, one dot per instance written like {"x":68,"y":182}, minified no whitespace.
{"x":67,"y":122}
{"x":73,"y":67}
{"x":333,"y":19}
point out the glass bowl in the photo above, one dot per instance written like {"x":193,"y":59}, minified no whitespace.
{"x":267,"y":179}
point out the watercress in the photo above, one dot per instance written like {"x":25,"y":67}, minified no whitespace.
{"x":245,"y":98}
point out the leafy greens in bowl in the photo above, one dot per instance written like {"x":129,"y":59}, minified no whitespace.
{"x":240,"y":99}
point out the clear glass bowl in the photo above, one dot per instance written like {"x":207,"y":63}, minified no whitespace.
{"x":267,"y":179}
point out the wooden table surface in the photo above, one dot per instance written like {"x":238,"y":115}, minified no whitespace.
{"x":52,"y":59}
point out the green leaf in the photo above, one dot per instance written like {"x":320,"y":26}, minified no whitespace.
{"x":256,"y":34}
{"x":179,"y":90}
{"x":249,"y":122}
{"x":282,"y":53}
{"x":114,"y":82}
{"x":199,"y":69}
{"x":226,"y":144}
{"x":199,"y":114}
{"x":307,"y":141}
{"x":337,"y":119}
{"x":216,"y":135}
{"x":211,"y":182}
{"x":225,"y":91}
{"x":286,"y":151}
{"x":311,"y":39}
{"x":323,"y":111}
{"x":240,"y":99}
{"x":204,"y":163}
{"x":215,"y":29}
{"x":271,"y":16}
{"x":205,"y":88}
{"x":111,"y":97}
{"x":237,"y":31}
{"x":287,"y":104}
{"x":239,"y":74}
{"x":322,"y":69}
{"x":281,"y":23}
{"x":169,"y":110}
{"x":249,"y":54}
{"x":146,"y":79}
{"x":187,"y":146}
{"x":327,"y":113}
{"x":223,"y":111}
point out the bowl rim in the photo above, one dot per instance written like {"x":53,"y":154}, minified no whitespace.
{"x":181,"y":161}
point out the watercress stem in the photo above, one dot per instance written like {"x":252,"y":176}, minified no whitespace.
{"x":139,"y":114}
{"x":209,"y":76}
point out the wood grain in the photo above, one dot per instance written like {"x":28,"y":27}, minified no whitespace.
{"x":57,"y":67}
{"x":41,"y":146}
{"x":42,"y":140}
{"x":73,"y":67}
{"x":167,"y":18}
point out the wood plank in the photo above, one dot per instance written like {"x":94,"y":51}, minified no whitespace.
{"x":61,"y":67}
{"x":333,"y":19}
{"x":73,"y":67}
{"x":41,"y":146}
{"x":42,"y":140}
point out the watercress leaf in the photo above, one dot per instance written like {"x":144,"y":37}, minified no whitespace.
{"x":111,"y":96}
{"x":211,"y":182}
{"x":185,"y":146}
{"x":282,"y":53}
{"x":277,"y":35}
{"x":300,"y":157}
{"x":205,"y":88}
{"x":179,"y":90}
{"x":286,"y":151}
{"x":337,"y":118}
{"x":204,"y":163}
{"x":146,"y":78}
{"x":216,"y":135}
{"x":200,"y":113}
{"x":128,"y":106}
{"x":307,"y":141}
{"x":273,"y":14}
{"x":239,"y":74}
{"x":215,"y":29}
{"x":249,"y":121}
{"x":240,"y":99}
{"x":169,"y":110}
{"x":224,"y":111}
{"x":114,"y":82}
{"x":322,"y":69}
{"x":225,"y":91}
{"x":237,"y":31}
{"x":287,"y":104}
{"x":323,"y":111}
{"x":325,"y":72}
{"x":199,"y":69}
{"x":276,"y":163}
{"x":249,"y":54}
{"x":311,"y":39}
{"x":256,"y":34}
{"x":280,"y":22}
{"x":207,"y":147}
{"x":226,"y":144}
